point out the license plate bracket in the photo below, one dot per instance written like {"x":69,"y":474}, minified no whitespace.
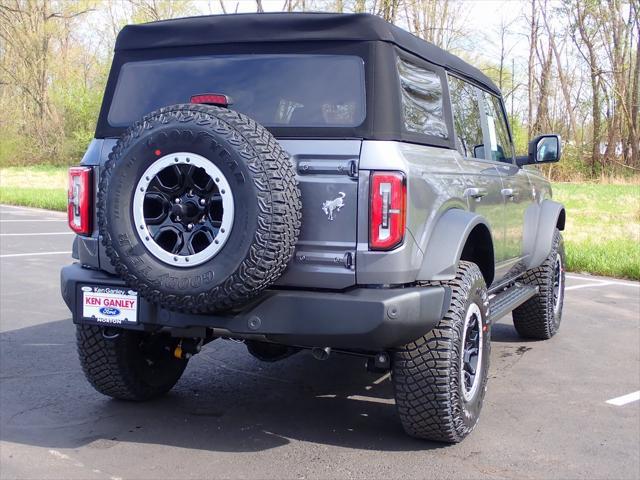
{"x":107,"y":305}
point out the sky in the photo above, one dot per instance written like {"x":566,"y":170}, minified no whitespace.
{"x":482,"y":18}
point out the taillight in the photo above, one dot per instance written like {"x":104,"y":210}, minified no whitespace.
{"x":80,"y":196}
{"x":387,"y":212}
{"x":217,"y":99}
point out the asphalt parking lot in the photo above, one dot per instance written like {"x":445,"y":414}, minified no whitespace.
{"x":545,"y":416}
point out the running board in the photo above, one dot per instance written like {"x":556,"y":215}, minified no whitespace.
{"x":505,"y":301}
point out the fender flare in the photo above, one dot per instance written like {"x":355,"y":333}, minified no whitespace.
{"x":447,"y":243}
{"x":552,"y":215}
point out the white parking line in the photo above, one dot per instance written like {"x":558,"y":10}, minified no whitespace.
{"x":588,"y":285}
{"x":583,"y":277}
{"x":599,"y":280}
{"x":34,"y":234}
{"x":34,"y":254}
{"x":61,"y":220}
{"x":31,"y":209}
{"x":624,"y":399}
{"x":382,"y":378}
{"x":363,"y":398}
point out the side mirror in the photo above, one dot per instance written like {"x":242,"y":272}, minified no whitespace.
{"x":542,"y":149}
{"x":478,"y":151}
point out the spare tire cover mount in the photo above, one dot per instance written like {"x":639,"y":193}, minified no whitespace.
{"x":183,"y":209}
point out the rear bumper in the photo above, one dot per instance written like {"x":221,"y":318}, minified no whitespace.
{"x":361,"y":318}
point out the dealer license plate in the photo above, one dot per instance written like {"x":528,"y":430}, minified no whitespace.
{"x":110,"y":305}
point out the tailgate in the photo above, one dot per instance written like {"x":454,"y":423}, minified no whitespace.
{"x":328,"y":174}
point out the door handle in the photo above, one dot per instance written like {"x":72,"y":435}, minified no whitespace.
{"x":509,"y":192}
{"x":476,"y":193}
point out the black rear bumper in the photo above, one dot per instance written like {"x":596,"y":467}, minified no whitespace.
{"x":362,"y":318}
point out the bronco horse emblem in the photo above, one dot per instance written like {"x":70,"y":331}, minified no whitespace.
{"x":334,"y":205}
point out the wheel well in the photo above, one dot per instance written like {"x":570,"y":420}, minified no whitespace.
{"x":561,"y":219}
{"x":479,"y":250}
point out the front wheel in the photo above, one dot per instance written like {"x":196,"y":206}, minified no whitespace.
{"x":539,"y":318}
{"x":126,"y":364}
{"x":440,"y":379}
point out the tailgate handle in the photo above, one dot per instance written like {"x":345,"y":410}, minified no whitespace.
{"x":348,"y":260}
{"x":353,"y":168}
{"x":328,"y":167}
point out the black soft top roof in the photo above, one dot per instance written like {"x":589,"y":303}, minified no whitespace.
{"x":289,"y":27}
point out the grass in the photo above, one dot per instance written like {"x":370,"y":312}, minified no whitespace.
{"x":602,"y":234}
{"x":47,"y":198}
{"x":40,"y":186}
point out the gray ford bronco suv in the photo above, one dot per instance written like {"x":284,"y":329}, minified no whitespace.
{"x":308,"y":181}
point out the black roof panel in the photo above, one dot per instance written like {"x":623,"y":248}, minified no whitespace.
{"x":289,"y":27}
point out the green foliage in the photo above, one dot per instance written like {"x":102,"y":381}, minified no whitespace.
{"x":79,"y":107}
{"x":40,"y":186}
{"x":54,"y":61}
{"x":14,"y":147}
{"x":49,"y":198}
{"x":602,"y":234}
{"x":520,"y":135}
{"x":612,"y":258}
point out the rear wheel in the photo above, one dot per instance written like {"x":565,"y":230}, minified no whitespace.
{"x":539,"y":318}
{"x":440,"y":379}
{"x":126,"y":364}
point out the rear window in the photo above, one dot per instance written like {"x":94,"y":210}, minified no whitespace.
{"x":275,"y":90}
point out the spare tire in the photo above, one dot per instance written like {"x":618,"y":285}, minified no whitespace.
{"x":198,"y":208}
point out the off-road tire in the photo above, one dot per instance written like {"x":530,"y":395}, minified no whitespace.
{"x":426,"y":372}
{"x":115,"y":366}
{"x":537,"y":318}
{"x":267,"y":214}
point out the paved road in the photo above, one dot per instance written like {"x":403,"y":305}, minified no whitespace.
{"x":545,"y":415}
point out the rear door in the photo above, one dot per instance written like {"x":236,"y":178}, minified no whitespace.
{"x":483,"y":182}
{"x":516,"y":189}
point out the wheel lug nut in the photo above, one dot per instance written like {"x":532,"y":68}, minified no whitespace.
{"x":202,"y":201}
{"x":190,"y":226}
{"x":177,"y":200}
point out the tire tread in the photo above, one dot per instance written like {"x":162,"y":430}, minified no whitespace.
{"x":534,"y":318}
{"x":279,"y":205}
{"x":107,"y":365}
{"x":426,"y":387}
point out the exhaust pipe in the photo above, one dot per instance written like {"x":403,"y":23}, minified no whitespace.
{"x":321,"y":353}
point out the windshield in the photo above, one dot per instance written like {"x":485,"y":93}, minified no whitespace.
{"x":275,"y":90}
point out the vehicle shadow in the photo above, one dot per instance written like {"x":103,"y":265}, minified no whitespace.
{"x":504,"y":332}
{"x":226,"y":401}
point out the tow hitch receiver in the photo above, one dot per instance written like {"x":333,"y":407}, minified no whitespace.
{"x":187,"y":348}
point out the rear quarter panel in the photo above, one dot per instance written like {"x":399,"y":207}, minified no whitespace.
{"x":435,"y":183}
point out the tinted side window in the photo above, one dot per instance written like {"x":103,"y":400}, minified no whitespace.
{"x":421,"y":100}
{"x":466,"y":118}
{"x":499,"y":140}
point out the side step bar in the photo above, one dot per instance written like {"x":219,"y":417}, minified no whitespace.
{"x":504,"y":302}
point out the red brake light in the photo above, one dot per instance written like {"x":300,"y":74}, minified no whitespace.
{"x":80,"y":196}
{"x":387,"y":212}
{"x":212,"y":99}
